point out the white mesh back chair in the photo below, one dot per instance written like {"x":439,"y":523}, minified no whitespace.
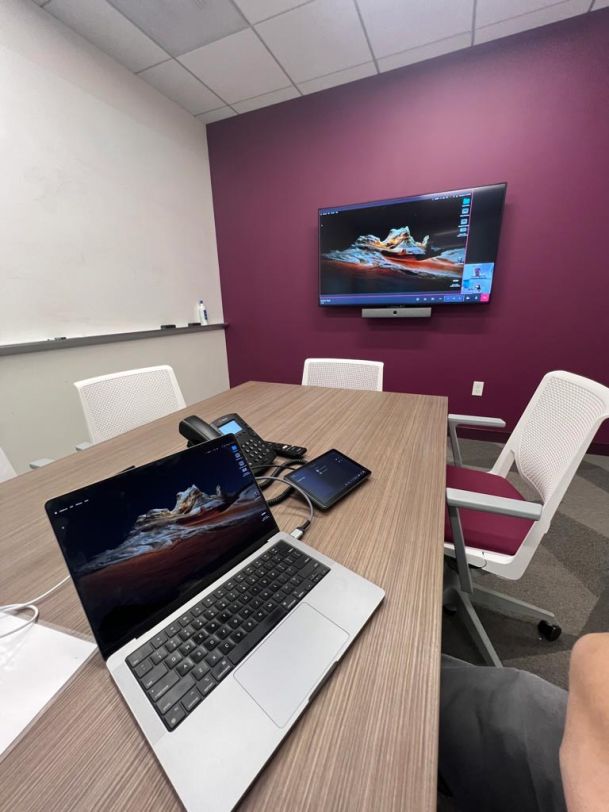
{"x":489,"y":525}
{"x":121,"y":401}
{"x":343,"y":373}
{"x":6,"y":469}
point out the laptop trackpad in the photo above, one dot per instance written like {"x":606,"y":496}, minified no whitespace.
{"x":286,"y":667}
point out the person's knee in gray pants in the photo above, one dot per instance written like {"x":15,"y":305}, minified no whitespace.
{"x":500,"y":734}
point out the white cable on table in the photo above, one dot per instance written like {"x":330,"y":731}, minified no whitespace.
{"x":29,"y":605}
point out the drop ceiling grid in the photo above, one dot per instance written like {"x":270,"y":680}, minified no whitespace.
{"x":224,"y":57}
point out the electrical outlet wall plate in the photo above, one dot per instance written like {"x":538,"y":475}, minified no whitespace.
{"x":478,"y":388}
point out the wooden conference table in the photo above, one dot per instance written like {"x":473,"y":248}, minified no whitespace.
{"x":369,"y":740}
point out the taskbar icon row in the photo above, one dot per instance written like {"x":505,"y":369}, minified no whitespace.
{"x":453,"y":298}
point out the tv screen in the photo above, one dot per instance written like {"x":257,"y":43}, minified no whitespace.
{"x":436,"y":248}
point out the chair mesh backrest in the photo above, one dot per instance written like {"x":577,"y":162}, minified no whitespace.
{"x":116,"y":403}
{"x":556,"y":429}
{"x":6,"y":469}
{"x":343,"y":373}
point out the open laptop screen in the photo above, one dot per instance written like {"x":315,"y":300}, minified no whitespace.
{"x":140,"y":544}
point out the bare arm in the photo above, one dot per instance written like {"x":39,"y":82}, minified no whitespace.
{"x":584,"y":753}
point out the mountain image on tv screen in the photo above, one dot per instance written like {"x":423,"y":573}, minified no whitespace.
{"x":437,"y":248}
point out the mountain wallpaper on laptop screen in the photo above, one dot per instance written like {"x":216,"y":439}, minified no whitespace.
{"x":160,"y":528}
{"x":167,"y":551}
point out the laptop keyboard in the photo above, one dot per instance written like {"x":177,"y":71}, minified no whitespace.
{"x":183,"y":663}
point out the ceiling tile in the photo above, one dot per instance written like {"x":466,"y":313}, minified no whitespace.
{"x":550,"y":14}
{"x":600,"y":4}
{"x":394,"y":26}
{"x":322,"y":37}
{"x":493,"y":11}
{"x":216,"y":115}
{"x":338,"y":78}
{"x":423,"y":52}
{"x":257,"y":10}
{"x":180,"y":86}
{"x":237,"y":67}
{"x":268,"y":98}
{"x":183,"y":25}
{"x":109,"y":31}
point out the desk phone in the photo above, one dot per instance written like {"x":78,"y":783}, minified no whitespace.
{"x":258,"y":452}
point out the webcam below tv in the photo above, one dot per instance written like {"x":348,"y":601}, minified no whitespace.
{"x":398,"y":258}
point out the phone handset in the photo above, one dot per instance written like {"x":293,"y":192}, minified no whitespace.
{"x":197,"y":431}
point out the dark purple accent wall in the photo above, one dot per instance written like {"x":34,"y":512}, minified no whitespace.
{"x":532,"y":110}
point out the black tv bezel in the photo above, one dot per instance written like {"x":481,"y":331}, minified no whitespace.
{"x":389,"y":201}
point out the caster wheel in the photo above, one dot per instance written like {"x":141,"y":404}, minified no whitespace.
{"x":550,"y":631}
{"x":450,"y":610}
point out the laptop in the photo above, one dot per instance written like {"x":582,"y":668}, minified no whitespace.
{"x":216,"y":628}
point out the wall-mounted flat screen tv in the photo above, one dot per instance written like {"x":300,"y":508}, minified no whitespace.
{"x":437,"y":248}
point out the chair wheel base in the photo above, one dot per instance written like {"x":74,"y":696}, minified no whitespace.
{"x":549,"y":631}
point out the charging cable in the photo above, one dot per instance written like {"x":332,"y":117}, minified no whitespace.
{"x":299,"y":532}
{"x":29,"y":606}
{"x":275,"y":500}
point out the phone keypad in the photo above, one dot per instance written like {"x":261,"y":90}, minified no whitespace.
{"x":258,"y":453}
{"x":256,"y":450}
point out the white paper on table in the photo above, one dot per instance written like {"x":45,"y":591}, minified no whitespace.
{"x":35,"y":664}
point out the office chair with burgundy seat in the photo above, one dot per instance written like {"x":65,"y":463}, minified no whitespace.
{"x":489,"y":525}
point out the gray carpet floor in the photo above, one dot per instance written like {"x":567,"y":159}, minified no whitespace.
{"x":569,"y":575}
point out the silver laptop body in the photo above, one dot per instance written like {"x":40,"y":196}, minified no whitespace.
{"x":231,"y":713}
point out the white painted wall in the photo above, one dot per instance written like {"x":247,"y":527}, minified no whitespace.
{"x":40,"y":414}
{"x":106,"y":225}
{"x":106,"y":218}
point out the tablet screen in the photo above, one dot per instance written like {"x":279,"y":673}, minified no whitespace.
{"x":329,"y":477}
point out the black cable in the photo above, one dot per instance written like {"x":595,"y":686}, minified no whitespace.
{"x":299,"y":532}
{"x":275,"y":500}
{"x":278,"y":466}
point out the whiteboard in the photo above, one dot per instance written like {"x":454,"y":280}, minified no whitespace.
{"x":106,"y":219}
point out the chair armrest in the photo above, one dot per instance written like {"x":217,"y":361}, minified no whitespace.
{"x":455,"y":420}
{"x":493,"y":504}
{"x":472,"y":420}
{"x":40,"y":463}
{"x":456,"y":498}
{"x":83,"y":446}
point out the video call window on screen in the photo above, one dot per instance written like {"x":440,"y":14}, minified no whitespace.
{"x":436,"y":248}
